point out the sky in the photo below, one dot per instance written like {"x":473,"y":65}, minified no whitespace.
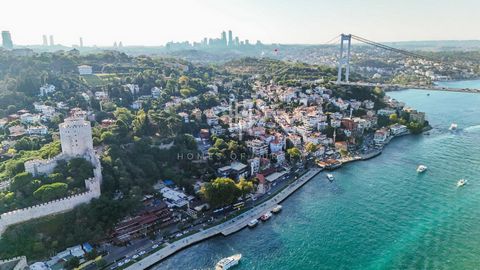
{"x":155,"y":22}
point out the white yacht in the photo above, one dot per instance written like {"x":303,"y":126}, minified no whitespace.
{"x":330,"y":177}
{"x":266,"y":216}
{"x":252,"y":223}
{"x":421,"y":168}
{"x":277,"y":209}
{"x":228,"y":262}
{"x":453,"y":126}
{"x":461,"y":183}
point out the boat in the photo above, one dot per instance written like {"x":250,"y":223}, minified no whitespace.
{"x":228,"y":262}
{"x":330,"y":177}
{"x":453,"y":126}
{"x":461,"y":183}
{"x":253,"y":223}
{"x":421,"y":168}
{"x":277,"y":209}
{"x":266,"y":216}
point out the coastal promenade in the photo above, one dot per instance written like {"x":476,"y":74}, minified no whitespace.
{"x":230,"y":226}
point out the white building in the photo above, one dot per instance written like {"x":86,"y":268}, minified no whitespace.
{"x":47,"y":89}
{"x":28,"y":118}
{"x":133,"y":88}
{"x":156,"y":92}
{"x":76,"y":136}
{"x":398,"y":129}
{"x":84,"y":70}
{"x":101,"y":95}
{"x":37,"y":130}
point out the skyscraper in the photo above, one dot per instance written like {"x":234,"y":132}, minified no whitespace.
{"x":224,"y":39}
{"x":230,"y":38}
{"x":7,"y":40}
{"x":51,"y":41}
{"x":237,"y":41}
{"x":45,"y":41}
{"x":81,"y":42}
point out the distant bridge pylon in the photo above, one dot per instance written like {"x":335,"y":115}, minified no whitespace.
{"x":344,"y":58}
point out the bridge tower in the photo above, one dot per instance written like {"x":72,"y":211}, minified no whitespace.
{"x":344,"y":58}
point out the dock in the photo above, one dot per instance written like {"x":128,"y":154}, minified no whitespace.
{"x":226,"y":228}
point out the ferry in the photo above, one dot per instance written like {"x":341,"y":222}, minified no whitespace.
{"x":228,"y":262}
{"x":461,"y":183}
{"x":277,"y":209}
{"x":253,"y":223}
{"x":421,"y":168}
{"x":330,"y":177}
{"x":266,"y":216}
{"x":453,"y":126}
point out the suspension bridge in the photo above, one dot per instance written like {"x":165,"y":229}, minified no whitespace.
{"x":343,"y":77}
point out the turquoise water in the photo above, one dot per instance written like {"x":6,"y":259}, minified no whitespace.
{"x":378,"y":214}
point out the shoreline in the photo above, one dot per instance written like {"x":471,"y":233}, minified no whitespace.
{"x":225,"y":228}
{"x":240,"y":221}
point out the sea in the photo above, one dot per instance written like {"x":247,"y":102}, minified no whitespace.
{"x":380,"y":213}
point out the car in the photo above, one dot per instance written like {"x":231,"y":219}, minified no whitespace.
{"x":126,"y":261}
{"x":141,"y":252}
{"x":120,"y":264}
{"x":135,"y":256}
{"x":154,"y":246}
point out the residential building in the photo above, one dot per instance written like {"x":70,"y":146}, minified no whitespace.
{"x":47,"y":89}
{"x":84,"y":69}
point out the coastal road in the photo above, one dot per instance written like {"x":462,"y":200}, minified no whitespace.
{"x":226,"y":228}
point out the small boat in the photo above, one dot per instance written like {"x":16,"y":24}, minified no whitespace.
{"x":277,"y":209}
{"x":228,"y":262}
{"x":461,"y":183}
{"x":428,"y":94}
{"x":253,"y":223}
{"x":421,"y":168}
{"x":453,"y":126}
{"x":266,"y":216}
{"x":330,"y":177}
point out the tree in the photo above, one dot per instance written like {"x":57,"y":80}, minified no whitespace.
{"x":245,"y":186}
{"x":294,"y":153}
{"x":393,"y":117}
{"x":220,"y":192}
{"x":310,"y":147}
{"x":50,"y":192}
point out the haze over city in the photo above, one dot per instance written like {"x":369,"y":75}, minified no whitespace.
{"x":289,"y":22}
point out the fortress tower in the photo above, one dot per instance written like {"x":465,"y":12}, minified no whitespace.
{"x":76,"y":137}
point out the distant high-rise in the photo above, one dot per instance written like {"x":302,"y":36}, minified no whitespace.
{"x":81,"y":42}
{"x":237,"y":41}
{"x":120,"y":44}
{"x":224,"y":39}
{"x":7,"y":40}
{"x":230,"y":38}
{"x":115,"y":44}
{"x":45,"y":40}
{"x":51,"y":41}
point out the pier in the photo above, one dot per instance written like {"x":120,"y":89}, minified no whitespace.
{"x":226,"y":228}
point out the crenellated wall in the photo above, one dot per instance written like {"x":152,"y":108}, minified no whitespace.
{"x":57,"y":206}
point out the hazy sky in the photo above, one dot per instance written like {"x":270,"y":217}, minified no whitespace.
{"x":155,"y":22}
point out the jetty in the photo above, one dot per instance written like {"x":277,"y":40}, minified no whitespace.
{"x":226,"y":228}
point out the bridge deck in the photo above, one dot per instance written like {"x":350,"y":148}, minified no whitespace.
{"x":393,"y":87}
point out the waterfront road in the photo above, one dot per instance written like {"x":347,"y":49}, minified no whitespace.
{"x":226,"y":228}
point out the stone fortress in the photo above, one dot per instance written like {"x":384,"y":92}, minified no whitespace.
{"x":76,"y":141}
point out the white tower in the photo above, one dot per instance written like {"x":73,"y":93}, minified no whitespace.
{"x":76,"y":137}
{"x":344,"y":60}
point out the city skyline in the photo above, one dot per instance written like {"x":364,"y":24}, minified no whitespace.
{"x":283,"y":22}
